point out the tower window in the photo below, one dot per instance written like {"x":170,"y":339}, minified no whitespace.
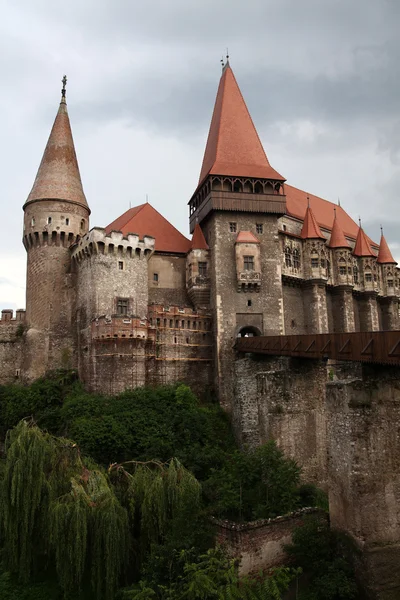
{"x":232,"y":227}
{"x":390,"y":283}
{"x":203,"y":269}
{"x":49,"y":220}
{"x":296,"y":259}
{"x":259,"y":227}
{"x":248,"y":302}
{"x":342,"y":270}
{"x":82,"y":224}
{"x":288,"y":257}
{"x":155,"y":277}
{"x":122,"y":306}
{"x":248,"y":262}
{"x":33,"y":221}
{"x":355,"y":274}
{"x":368,"y":276}
{"x":120,"y":265}
{"x":314,"y":263}
{"x":67,"y":221}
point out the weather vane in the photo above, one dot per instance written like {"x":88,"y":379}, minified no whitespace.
{"x":64,"y":82}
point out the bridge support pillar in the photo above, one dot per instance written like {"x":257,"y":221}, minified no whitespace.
{"x":363,"y":417}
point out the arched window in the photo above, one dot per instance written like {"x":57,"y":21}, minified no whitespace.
{"x":82,"y":224}
{"x":296,"y":258}
{"x":288,"y":257}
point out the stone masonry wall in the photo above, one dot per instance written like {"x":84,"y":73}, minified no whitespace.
{"x":284,"y":399}
{"x":231,"y":308}
{"x":260,"y":545}
{"x":363,"y":416}
{"x":295,"y":322}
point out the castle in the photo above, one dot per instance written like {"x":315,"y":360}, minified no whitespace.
{"x":138,"y":303}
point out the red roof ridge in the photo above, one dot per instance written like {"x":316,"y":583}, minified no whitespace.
{"x":310,"y":229}
{"x":384,"y":255}
{"x":247,"y":237}
{"x":198,"y":239}
{"x":362,"y":247}
{"x":337,"y":239}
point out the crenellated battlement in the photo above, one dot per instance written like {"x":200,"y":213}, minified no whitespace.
{"x":98,"y":242}
{"x":48,"y":237}
{"x":7,"y":316}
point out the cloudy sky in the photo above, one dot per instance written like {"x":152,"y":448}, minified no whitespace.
{"x":321,"y":79}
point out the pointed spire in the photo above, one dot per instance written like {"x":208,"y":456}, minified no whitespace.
{"x":58,"y":177}
{"x":338,"y":239}
{"x":362,"y":246}
{"x":310,"y":229}
{"x":384,"y":255}
{"x":233,"y":146}
{"x":198,"y":239}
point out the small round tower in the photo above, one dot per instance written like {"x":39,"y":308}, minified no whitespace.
{"x":56,"y":214}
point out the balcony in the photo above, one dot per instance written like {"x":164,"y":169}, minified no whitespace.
{"x":249,"y":281}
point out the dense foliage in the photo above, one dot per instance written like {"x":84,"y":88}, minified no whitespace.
{"x":92,"y":500}
{"x":324,"y":554}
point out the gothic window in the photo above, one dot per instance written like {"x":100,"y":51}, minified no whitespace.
{"x":288,"y":257}
{"x":342,"y":260}
{"x":296,"y":259}
{"x":314,"y":263}
{"x":349,"y":270}
{"x":248,"y":262}
{"x":259,"y":227}
{"x":232,"y":227}
{"x":203,"y":269}
{"x":122,"y":306}
{"x":390,"y":283}
{"x":368,"y":276}
{"x":323,"y":263}
{"x":342,"y":270}
{"x":328,"y":268}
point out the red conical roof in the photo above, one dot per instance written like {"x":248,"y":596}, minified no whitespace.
{"x":247,"y":237}
{"x":362,"y":247}
{"x":338,"y":239}
{"x":58,"y":177}
{"x":233,"y":146}
{"x":310,"y":229}
{"x":384,"y":254}
{"x":146,"y":220}
{"x":198,"y":239}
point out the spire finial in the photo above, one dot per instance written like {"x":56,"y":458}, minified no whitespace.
{"x":308,"y":201}
{"x":63,"y":90}
{"x":381,"y":229}
{"x":227,"y":55}
{"x":359,"y":222}
{"x":338,"y":201}
{"x":222,"y":63}
{"x":334,"y":210}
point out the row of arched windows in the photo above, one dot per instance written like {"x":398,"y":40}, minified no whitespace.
{"x":292,"y":257}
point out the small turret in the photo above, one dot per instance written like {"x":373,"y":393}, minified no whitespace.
{"x":388,"y":269}
{"x":341,"y":252}
{"x":315,"y":256}
{"x":368,"y":271}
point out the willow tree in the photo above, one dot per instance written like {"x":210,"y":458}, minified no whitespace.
{"x":58,"y":508}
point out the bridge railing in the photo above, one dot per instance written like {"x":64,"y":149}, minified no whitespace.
{"x":370,"y":346}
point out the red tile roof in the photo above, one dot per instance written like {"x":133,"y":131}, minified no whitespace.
{"x":310,"y":229}
{"x":233,"y":146}
{"x":384,"y":254}
{"x":362,"y":247}
{"x":146,"y":220}
{"x":338,"y":239}
{"x":58,"y":177}
{"x":198,"y":239}
{"x":247,"y":237}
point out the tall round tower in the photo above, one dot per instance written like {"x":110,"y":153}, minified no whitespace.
{"x":56,"y":214}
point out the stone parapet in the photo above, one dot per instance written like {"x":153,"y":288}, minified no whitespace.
{"x":96,"y":241}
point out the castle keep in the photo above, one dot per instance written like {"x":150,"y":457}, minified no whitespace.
{"x":138,"y":303}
